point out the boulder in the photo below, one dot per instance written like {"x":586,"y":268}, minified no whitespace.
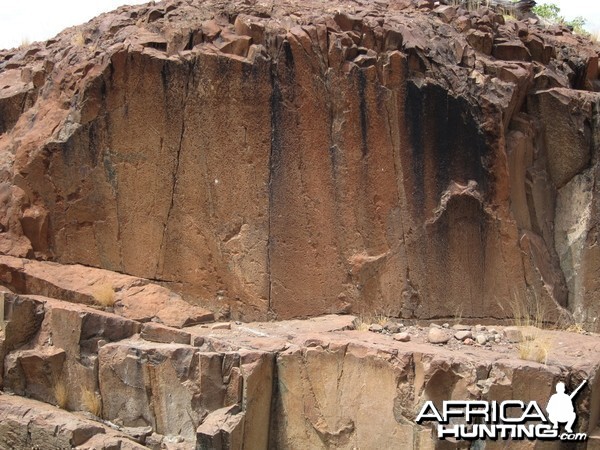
{"x":462,"y":335}
{"x":437,"y":336}
{"x":402,"y":337}
{"x":222,"y":428}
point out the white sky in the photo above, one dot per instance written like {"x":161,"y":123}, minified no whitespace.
{"x":588,"y":9}
{"x":36,"y":20}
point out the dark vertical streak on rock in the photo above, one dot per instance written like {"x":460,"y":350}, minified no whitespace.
{"x":282,"y":77}
{"x":274,"y":164}
{"x":414,"y":116}
{"x":191,"y":66}
{"x":362,"y":84}
{"x":444,"y":135}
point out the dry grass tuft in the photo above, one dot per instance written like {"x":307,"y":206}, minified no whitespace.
{"x":91,"y":401}
{"x":531,"y":316}
{"x":61,"y":394}
{"x":364,"y":321}
{"x":362,"y":325}
{"x":104,"y":295}
{"x":535,"y":347}
{"x":575,"y":328}
{"x":458,"y":315}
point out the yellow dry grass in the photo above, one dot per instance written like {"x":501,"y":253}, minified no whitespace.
{"x":61,"y":394}
{"x":104,"y":295}
{"x":530,"y":316}
{"x":535,"y":346}
{"x":91,"y":401}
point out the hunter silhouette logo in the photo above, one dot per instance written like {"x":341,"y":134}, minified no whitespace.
{"x":560,"y":407}
{"x":509,"y":419}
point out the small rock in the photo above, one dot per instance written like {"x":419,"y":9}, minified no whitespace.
{"x":462,"y":335}
{"x":139,"y":434}
{"x":435,"y":325}
{"x":493,"y":331}
{"x":402,"y":337}
{"x":445,"y":12}
{"x":462,"y":23}
{"x":481,"y":339}
{"x":480,"y":328}
{"x":154,"y":441}
{"x":437,"y":336}
{"x":376,"y":328}
{"x":222,"y":326}
{"x":173,"y":439}
{"x":469,"y":341}
{"x":460,"y":327}
{"x":513,"y":334}
{"x":446,"y":325}
{"x":392,"y":327}
{"x":197,"y":341}
{"x":497,"y":339}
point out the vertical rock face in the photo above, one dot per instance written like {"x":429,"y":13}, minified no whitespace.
{"x":291,"y":160}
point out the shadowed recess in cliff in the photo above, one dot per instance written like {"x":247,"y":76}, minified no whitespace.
{"x":446,"y":143}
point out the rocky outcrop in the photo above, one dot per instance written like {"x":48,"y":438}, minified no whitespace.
{"x":95,"y":381}
{"x":292,"y":159}
{"x":26,"y":424}
{"x":130,"y":297}
{"x":167,"y":165}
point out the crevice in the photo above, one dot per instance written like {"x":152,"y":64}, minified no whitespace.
{"x":399,"y":189}
{"x":185,"y":94}
{"x":275,"y":102}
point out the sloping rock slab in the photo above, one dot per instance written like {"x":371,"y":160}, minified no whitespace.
{"x":27,"y":424}
{"x":133,"y":298}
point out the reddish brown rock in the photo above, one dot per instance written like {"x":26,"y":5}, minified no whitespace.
{"x":130,"y":297}
{"x":159,"y":333}
{"x":480,"y":41}
{"x":300,"y":160}
{"x":511,"y":51}
{"x":27,"y":424}
{"x":317,"y":391}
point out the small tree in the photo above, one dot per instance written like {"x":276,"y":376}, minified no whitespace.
{"x":551,"y":12}
{"x":548,"y":11}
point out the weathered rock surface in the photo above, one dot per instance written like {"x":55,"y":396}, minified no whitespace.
{"x":289,"y":384}
{"x":29,"y":424}
{"x":168,"y":164}
{"x":289,"y":159}
{"x":131,"y":297}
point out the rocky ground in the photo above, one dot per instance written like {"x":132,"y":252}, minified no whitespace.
{"x":79,"y":374}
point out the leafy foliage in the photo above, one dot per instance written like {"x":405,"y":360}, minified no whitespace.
{"x":548,"y":11}
{"x":551,"y":12}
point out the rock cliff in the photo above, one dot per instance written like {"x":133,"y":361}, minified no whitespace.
{"x":168,"y":165}
{"x":289,"y":159}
